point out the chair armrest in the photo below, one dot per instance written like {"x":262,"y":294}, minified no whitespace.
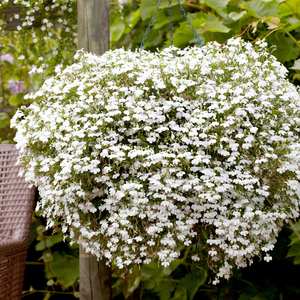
{"x":10,"y":247}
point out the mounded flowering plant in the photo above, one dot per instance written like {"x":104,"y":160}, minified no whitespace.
{"x":139,"y":155}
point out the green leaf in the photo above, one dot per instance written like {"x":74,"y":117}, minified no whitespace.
{"x":117,"y":29}
{"x":165,"y":18}
{"x":53,"y":240}
{"x":165,"y":288}
{"x":192,"y":281}
{"x":15,"y":100}
{"x":158,"y":279}
{"x":65,"y":268}
{"x":180,"y":294}
{"x":40,"y":246}
{"x":217,"y":5}
{"x":150,"y":7}
{"x":4,"y":120}
{"x":286,"y":49}
{"x":169,"y":3}
{"x":133,"y":19}
{"x":294,"y":250}
{"x":208,"y":23}
{"x":214,"y":24}
{"x":152,"y":270}
{"x":183,"y":35}
{"x":294,"y":25}
{"x":235,"y":16}
{"x":262,"y":8}
{"x":132,"y":282}
{"x":174,"y":264}
{"x":289,"y":7}
{"x":153,"y":39}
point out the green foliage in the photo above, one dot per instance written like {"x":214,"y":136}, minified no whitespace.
{"x":62,"y":268}
{"x":60,"y":263}
{"x":177,"y":22}
{"x":294,"y":250}
{"x":179,"y":281}
{"x":4,"y":120}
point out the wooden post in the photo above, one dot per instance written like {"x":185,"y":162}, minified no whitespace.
{"x":93,"y":36}
{"x":93,"y":25}
{"x":95,"y":278}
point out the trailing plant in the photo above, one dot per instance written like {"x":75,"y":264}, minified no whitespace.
{"x":137,"y":153}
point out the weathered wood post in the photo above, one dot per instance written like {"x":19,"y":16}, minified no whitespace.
{"x":93,"y":36}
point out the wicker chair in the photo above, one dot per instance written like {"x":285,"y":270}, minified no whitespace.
{"x":16,"y":204}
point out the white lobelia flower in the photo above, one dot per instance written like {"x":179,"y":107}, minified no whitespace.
{"x":137,"y":153}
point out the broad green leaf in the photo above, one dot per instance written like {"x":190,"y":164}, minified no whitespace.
{"x":192,"y":281}
{"x":165,"y":18}
{"x":15,"y":100}
{"x":153,"y":39}
{"x":297,"y":260}
{"x":133,"y":19}
{"x":183,"y":35}
{"x":132,"y":282}
{"x":152,"y":270}
{"x":65,"y":268}
{"x":262,"y":8}
{"x":117,"y":29}
{"x":4,"y":120}
{"x":53,"y":240}
{"x":294,"y":250}
{"x":180,"y":294}
{"x":157,"y":278}
{"x":40,"y":246}
{"x":150,"y":7}
{"x":294,"y":24}
{"x":235,"y":16}
{"x":217,"y":5}
{"x":174,"y":264}
{"x":165,"y":288}
{"x":214,"y":24}
{"x":289,"y":7}
{"x":169,"y":3}
{"x":286,"y":49}
{"x":208,"y":22}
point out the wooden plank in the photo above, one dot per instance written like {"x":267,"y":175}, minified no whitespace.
{"x":93,"y":25}
{"x":93,"y":36}
{"x":95,"y":278}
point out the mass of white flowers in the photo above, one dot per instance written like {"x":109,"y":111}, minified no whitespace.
{"x":135,"y":153}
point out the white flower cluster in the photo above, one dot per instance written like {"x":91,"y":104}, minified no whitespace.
{"x":137,"y":153}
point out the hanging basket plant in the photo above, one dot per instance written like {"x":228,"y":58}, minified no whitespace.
{"x":138,"y":155}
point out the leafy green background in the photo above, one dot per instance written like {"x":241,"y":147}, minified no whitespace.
{"x":52,"y":265}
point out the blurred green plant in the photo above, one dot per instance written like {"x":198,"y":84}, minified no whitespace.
{"x":57,"y":260}
{"x":294,"y":250}
{"x":176,"y":21}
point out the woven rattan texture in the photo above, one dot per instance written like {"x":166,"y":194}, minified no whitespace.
{"x":16,"y":203}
